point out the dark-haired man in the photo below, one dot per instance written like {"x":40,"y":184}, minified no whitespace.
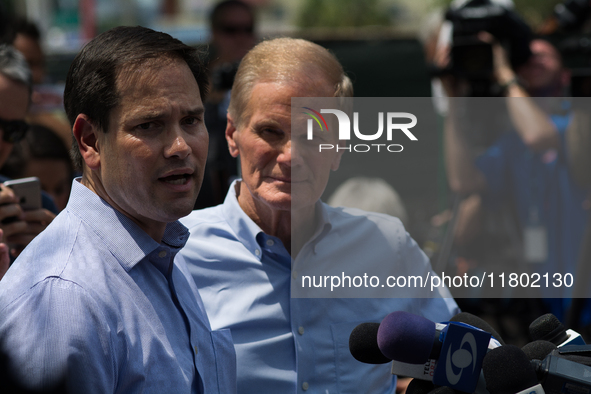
{"x":101,"y":298}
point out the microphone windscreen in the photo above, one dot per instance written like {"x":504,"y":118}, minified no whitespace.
{"x":538,"y":350}
{"x":406,"y":337}
{"x":507,"y":370}
{"x":443,"y":390}
{"x":548,"y":328}
{"x":363,"y":344}
{"x":475,"y":321}
{"x":419,"y":386}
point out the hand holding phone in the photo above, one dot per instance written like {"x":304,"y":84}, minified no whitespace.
{"x":22,"y":217}
{"x":27,"y":191}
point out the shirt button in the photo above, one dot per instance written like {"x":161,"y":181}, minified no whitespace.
{"x":301,"y":330}
{"x":162,"y":254}
{"x":270,"y":242}
{"x":305,"y":386}
{"x":257,"y":252}
{"x":195,"y":348}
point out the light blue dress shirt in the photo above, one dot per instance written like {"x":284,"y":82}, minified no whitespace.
{"x":95,"y":298}
{"x":297,"y":345}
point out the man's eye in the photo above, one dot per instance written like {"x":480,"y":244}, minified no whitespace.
{"x":145,"y":126}
{"x":270,"y":131}
{"x":191,"y":120}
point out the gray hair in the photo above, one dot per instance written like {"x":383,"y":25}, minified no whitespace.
{"x":369,"y":194}
{"x":14,"y":66}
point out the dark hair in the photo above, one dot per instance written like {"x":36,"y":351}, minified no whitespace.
{"x":40,"y":142}
{"x":26,"y":28}
{"x":216,"y":14}
{"x":91,"y":82}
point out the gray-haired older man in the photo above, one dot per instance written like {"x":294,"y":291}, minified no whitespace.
{"x":245,"y":253}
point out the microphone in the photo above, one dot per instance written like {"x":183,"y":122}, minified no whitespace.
{"x":448,"y":354}
{"x":475,"y":321}
{"x":409,"y":338}
{"x":549,"y":328}
{"x":418,"y":386}
{"x":578,"y":353}
{"x":538,"y":350}
{"x":363,"y":344}
{"x":559,"y":375}
{"x":507,"y":370}
{"x":413,"y":339}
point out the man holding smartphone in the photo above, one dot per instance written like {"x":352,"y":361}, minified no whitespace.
{"x":15,"y":94}
{"x":102,"y":299}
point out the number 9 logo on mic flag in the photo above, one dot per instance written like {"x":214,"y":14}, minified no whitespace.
{"x":460,"y":361}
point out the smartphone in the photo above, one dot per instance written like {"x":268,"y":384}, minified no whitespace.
{"x":28,"y":192}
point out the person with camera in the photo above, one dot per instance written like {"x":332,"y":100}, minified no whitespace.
{"x":528,"y":165}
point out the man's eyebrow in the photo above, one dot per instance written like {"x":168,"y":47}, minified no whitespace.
{"x":196,"y":111}
{"x":151,"y":115}
{"x":266,"y":123}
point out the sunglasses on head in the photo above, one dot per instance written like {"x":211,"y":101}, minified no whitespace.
{"x":233,"y":30}
{"x":13,"y":130}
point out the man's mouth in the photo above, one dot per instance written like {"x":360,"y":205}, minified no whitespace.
{"x":179,"y":179}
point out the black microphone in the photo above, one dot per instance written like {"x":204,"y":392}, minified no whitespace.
{"x":559,"y":375}
{"x":418,"y":386}
{"x":549,"y":328}
{"x":363,"y":344}
{"x":475,"y":321}
{"x":538,"y":350}
{"x":507,"y":370}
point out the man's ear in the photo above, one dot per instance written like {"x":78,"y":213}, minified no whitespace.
{"x":86,"y":135}
{"x":231,"y":137}
{"x":336,"y":162}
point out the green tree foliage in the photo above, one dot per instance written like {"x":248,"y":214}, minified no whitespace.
{"x":342,"y":13}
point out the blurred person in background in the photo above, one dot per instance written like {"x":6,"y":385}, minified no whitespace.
{"x":42,"y":154}
{"x":15,"y":94}
{"x":369,"y":194}
{"x":47,"y":100}
{"x":528,"y":165}
{"x":232,"y":36}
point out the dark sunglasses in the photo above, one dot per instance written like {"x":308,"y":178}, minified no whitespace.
{"x":234,"y":30}
{"x":13,"y":130}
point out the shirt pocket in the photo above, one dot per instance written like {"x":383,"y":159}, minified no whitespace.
{"x":354,"y":376}
{"x":225,"y":359}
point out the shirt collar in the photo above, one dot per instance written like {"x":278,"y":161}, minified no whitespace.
{"x":124,"y":239}
{"x":244,"y":227}
{"x":247,"y":230}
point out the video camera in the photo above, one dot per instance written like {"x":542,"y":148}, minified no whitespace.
{"x":471,"y":58}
